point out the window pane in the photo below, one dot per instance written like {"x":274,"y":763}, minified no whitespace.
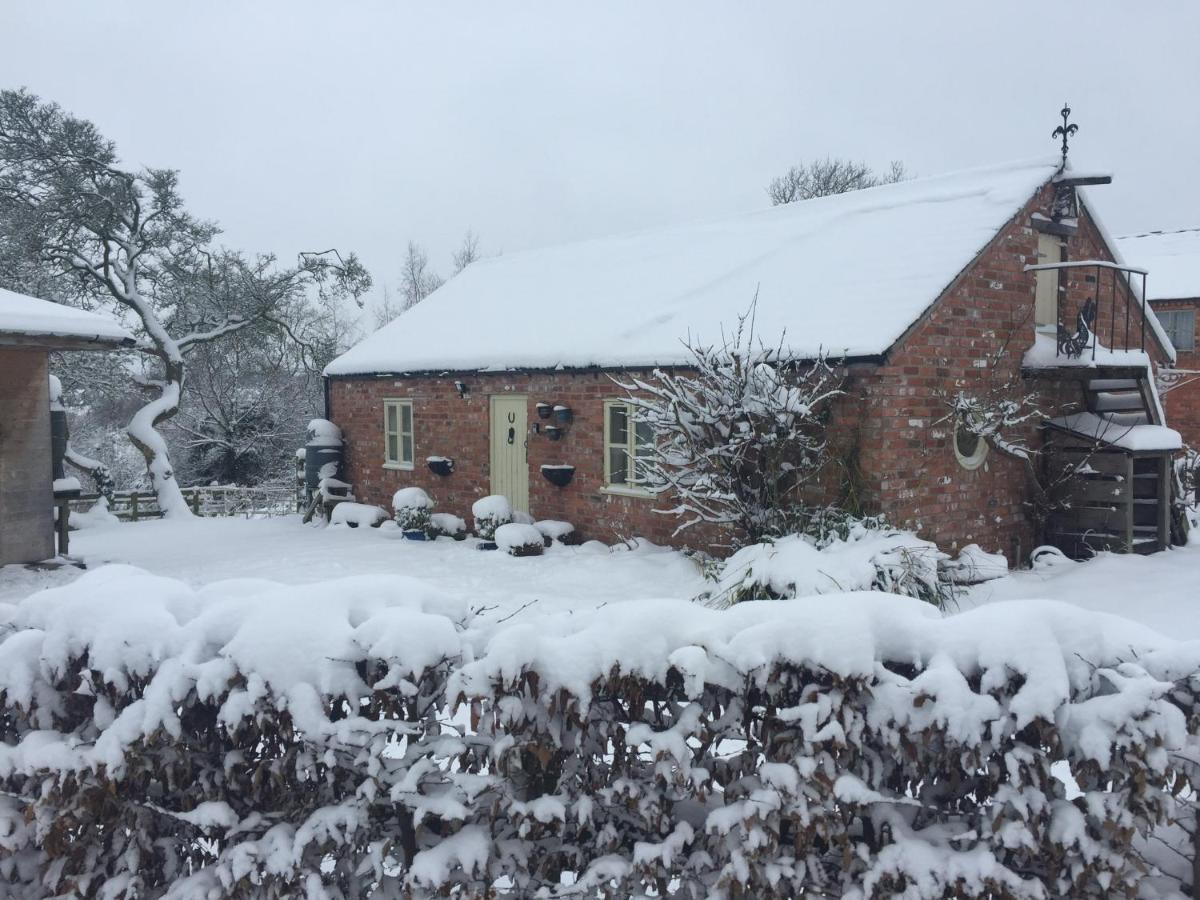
{"x":618,"y":465}
{"x":407,"y":444}
{"x":618,"y":424}
{"x":406,"y":418}
{"x":1180,"y":325}
{"x":391,"y":449}
{"x":390,"y":410}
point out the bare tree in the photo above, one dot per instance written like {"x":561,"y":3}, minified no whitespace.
{"x":125,"y":240}
{"x":823,"y":177}
{"x":417,"y":280}
{"x":467,"y":252}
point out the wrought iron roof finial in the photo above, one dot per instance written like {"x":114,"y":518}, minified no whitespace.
{"x":1064,"y":131}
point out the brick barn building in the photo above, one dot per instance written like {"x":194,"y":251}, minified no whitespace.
{"x":1174,"y":259}
{"x":923,"y":287}
{"x":29,"y":330}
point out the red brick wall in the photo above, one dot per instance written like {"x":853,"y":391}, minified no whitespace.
{"x":1182,"y":402}
{"x":447,"y":425}
{"x":972,"y":339}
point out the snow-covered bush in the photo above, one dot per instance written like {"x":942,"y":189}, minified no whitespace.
{"x":974,"y":565}
{"x":738,"y":437}
{"x":869,"y":557}
{"x":413,"y":508}
{"x":490,"y":513}
{"x":556,"y":530}
{"x":375,"y":738}
{"x":519,"y":539}
{"x":357,"y":514}
{"x":449,"y":525}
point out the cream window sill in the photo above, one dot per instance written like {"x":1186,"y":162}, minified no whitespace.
{"x":399,"y":467}
{"x":621,"y":491}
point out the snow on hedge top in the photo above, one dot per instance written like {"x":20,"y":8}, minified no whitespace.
{"x":1171,"y":257}
{"x":843,"y":274}
{"x":22,"y":315}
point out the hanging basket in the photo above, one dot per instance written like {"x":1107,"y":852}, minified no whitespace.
{"x":559,"y":476}
{"x":440,"y":465}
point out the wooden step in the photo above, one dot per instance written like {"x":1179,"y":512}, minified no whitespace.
{"x":1117,"y":401}
{"x":1113,"y":384}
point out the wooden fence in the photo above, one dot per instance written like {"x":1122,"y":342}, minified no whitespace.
{"x":260,"y":501}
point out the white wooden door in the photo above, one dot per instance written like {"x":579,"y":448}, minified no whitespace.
{"x":509,"y":449}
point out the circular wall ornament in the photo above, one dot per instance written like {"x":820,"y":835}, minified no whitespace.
{"x":969,"y":448}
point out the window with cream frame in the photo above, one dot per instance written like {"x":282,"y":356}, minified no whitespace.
{"x":397,"y":434}
{"x":628,"y":449}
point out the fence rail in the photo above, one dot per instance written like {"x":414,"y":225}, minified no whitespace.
{"x":257,"y":502}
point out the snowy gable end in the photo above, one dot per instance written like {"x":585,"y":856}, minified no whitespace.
{"x":930,"y":298}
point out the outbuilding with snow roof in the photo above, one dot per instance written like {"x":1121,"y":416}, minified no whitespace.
{"x":921,"y":289}
{"x":1174,"y":292}
{"x":29,"y":330}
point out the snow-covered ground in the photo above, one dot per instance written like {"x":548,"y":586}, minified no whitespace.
{"x":203,"y":550}
{"x":1162,"y":591}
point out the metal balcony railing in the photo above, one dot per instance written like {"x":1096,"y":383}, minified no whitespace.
{"x":1094,"y":307}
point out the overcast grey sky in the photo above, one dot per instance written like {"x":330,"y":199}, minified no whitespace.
{"x":305,"y":125}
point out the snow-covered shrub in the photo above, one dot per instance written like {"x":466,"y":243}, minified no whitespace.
{"x":357,"y":514}
{"x":519,"y":539}
{"x":96,"y":517}
{"x":413,"y":508}
{"x":974,"y":565}
{"x":866,"y":559}
{"x":449,"y":525}
{"x":738,"y":438}
{"x":555,"y":530}
{"x":372,"y":738}
{"x":490,"y":513}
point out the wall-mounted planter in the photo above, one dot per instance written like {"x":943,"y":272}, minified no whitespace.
{"x":553,"y":432}
{"x":543,"y":410}
{"x":440,"y":465}
{"x":562,"y":414}
{"x":559,"y":476}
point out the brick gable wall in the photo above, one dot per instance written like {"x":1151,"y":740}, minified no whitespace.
{"x":974,"y":336}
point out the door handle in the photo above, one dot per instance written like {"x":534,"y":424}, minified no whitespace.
{"x":512,"y":434}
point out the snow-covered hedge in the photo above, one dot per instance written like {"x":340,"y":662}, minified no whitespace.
{"x":519,"y":539}
{"x":372,"y":737}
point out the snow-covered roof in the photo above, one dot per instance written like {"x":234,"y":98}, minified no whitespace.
{"x":1172,"y":259}
{"x":29,"y":318}
{"x":843,"y":274}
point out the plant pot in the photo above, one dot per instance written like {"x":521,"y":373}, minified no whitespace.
{"x":559,"y":476}
{"x":440,"y":465}
{"x":543,"y":410}
{"x":415,"y":535}
{"x":486,"y":545}
{"x":562,"y":414}
{"x":553,"y":432}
